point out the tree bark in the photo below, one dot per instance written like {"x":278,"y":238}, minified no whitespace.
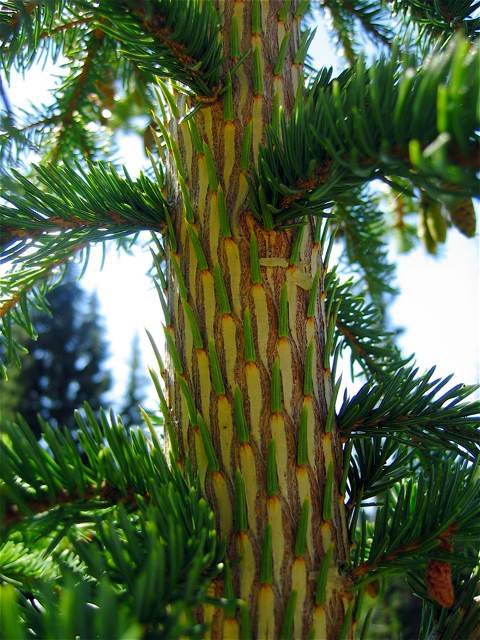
{"x":247,"y":385}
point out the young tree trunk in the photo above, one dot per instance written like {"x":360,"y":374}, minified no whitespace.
{"x":247,"y":385}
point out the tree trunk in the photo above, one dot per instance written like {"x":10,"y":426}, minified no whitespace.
{"x":247,"y":385}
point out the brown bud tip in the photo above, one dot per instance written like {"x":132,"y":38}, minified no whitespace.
{"x":438,"y":579}
{"x":462,"y":215}
{"x":373,"y":588}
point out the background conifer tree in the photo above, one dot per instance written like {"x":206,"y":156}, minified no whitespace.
{"x":64,"y":366}
{"x":255,"y":523}
{"x":135,"y":391}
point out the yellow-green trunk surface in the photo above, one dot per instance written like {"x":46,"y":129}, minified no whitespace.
{"x":247,"y":383}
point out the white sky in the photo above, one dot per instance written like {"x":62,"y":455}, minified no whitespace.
{"x":438,"y":307}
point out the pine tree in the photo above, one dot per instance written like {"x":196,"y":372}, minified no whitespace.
{"x":64,"y":366}
{"x":135,"y":389}
{"x":253,"y":524}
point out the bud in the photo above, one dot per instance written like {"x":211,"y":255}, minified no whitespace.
{"x":438,"y":579}
{"x":436,"y":222}
{"x":423,"y":227}
{"x":462,"y":215}
{"x":373,"y":588}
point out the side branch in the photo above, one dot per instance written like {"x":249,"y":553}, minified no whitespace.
{"x":12,"y":293}
{"x":443,"y":540}
{"x":410,"y":408}
{"x":94,"y":498}
{"x":39,"y":480}
{"x":80,"y":86}
{"x":420,"y":524}
{"x":348,"y":132}
{"x":440,"y":19}
{"x":360,"y":327}
{"x":74,"y":198}
{"x":178,"y":39}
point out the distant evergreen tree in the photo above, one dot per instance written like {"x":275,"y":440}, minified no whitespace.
{"x":64,"y":366}
{"x":135,"y":392}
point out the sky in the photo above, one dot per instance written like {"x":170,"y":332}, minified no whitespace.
{"x":438,"y":307}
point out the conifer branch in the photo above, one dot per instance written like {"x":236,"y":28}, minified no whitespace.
{"x":161,"y":544}
{"x":85,"y":110}
{"x":353,"y":19}
{"x":67,"y":26}
{"x":343,"y":136}
{"x":27,"y":288}
{"x":65,"y":126}
{"x":372,"y":20}
{"x":343,"y":28}
{"x":160,"y":38}
{"x":76,"y":198}
{"x":20,"y":567}
{"x":46,"y":483}
{"x":77,"y":88}
{"x":51,"y":30}
{"x":360,"y":327}
{"x":376,"y":464}
{"x":23,"y":29}
{"x":429,"y":515}
{"x":362,"y":229}
{"x":429,"y":23}
{"x":373,"y":466}
{"x":108,"y":614}
{"x":181,"y":40}
{"x":408,"y":407}
{"x":80,"y":122}
{"x":440,"y":20}
{"x":15,"y":289}
{"x":47,"y":223}
{"x":462,"y":620}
